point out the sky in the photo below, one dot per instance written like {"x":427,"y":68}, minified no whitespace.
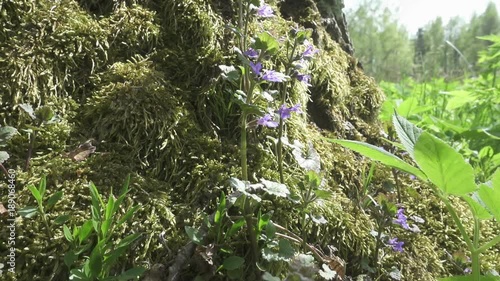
{"x":417,"y":13}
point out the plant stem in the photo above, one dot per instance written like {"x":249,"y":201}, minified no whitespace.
{"x":377,"y":245}
{"x":243,"y":147}
{"x":458,"y":222}
{"x":30,"y":151}
{"x":488,"y":245}
{"x":476,"y":263}
{"x":45,"y":221}
{"x":4,"y":170}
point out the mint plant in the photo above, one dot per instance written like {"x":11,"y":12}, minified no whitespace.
{"x":96,"y":235}
{"x":450,"y":175}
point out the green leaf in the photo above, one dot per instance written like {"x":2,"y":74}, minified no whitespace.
{"x":491,"y":195}
{"x":477,"y":209}
{"x":62,"y":219}
{"x":127,"y":215}
{"x":42,"y":186}
{"x":44,"y":113}
{"x":275,"y":188}
{"x":128,"y":240}
{"x":69,"y":258}
{"x":28,"y":109}
{"x":407,"y":133}
{"x":230,"y":73}
{"x":131,"y":274}
{"x":96,"y":197}
{"x":235,"y":227}
{"x":28,"y":211}
{"x":268,"y":277}
{"x":35,"y":193}
{"x":4,"y":156}
{"x":270,"y":230}
{"x":266,"y":42}
{"x":444,"y":167}
{"x":85,"y":231}
{"x":285,"y":249}
{"x":233,"y":262}
{"x":322,"y":194}
{"x":379,"y":154}
{"x":67,"y":233}
{"x":54,"y":199}
{"x":95,"y":262}
{"x":194,"y":234}
{"x":6,"y":133}
{"x":221,"y":208}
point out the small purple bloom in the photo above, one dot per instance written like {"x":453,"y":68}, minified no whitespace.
{"x":304,"y":78}
{"x":265,"y":11}
{"x":401,"y":219}
{"x":251,"y":53}
{"x":468,"y":270}
{"x":273,"y":76}
{"x":256,"y":67}
{"x":396,"y":245}
{"x":412,"y":177}
{"x":310,"y":51}
{"x":267,"y":121}
{"x":286,"y":112}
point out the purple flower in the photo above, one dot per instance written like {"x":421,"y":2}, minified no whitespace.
{"x":273,"y":76}
{"x":256,"y":67}
{"x":310,"y":51}
{"x":304,"y":78}
{"x":265,"y":10}
{"x":286,"y":112}
{"x":267,"y":121}
{"x":396,"y":245}
{"x":412,"y":177}
{"x":401,"y":219}
{"x":468,"y":270}
{"x":251,"y":53}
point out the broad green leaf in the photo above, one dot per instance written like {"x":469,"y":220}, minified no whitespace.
{"x":62,"y":219}
{"x":35,"y":193}
{"x":28,"y":211}
{"x":69,"y":258}
{"x":322,"y":194}
{"x":6,"y":133}
{"x":266,"y":42}
{"x":132,"y":273}
{"x":491,"y":195}
{"x":268,"y":277}
{"x":285,"y":249}
{"x":194,"y":234}
{"x":407,"y":133}
{"x":458,"y":99}
{"x":407,"y":107}
{"x":275,"y":188}
{"x":263,"y":221}
{"x":444,"y":166}
{"x":313,"y":179}
{"x":28,"y":109}
{"x":270,"y":230}
{"x":110,"y":207}
{"x":233,"y":262}
{"x":4,"y":156}
{"x":379,"y":154}
{"x":477,"y":209}
{"x":311,"y":161}
{"x":54,"y":199}
{"x":44,"y":113}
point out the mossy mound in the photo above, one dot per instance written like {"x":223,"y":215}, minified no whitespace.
{"x":141,"y":78}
